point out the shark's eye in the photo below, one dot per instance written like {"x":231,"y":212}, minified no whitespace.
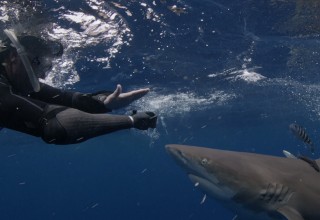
{"x":204,"y":161}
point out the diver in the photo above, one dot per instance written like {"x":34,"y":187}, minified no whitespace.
{"x":57,"y":116}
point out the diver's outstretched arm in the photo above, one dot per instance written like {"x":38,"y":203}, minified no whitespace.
{"x":99,"y":102}
{"x":82,"y":101}
{"x":71,"y":126}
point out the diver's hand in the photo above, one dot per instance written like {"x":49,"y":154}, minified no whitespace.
{"x":144,"y":120}
{"x":118,"y":99}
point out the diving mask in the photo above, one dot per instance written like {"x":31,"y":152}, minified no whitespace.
{"x":36,"y":55}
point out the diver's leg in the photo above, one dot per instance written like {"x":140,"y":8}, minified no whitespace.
{"x":20,"y":113}
{"x":70,"y":126}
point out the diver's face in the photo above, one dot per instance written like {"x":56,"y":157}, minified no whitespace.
{"x":14,"y":66}
{"x":17,"y":73}
{"x":40,"y":65}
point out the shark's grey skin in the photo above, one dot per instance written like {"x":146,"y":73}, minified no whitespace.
{"x":261,"y":185}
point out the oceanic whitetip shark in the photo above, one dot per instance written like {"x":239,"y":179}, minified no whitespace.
{"x":254,"y":186}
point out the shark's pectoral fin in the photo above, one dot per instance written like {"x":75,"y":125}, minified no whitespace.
{"x":290,"y":213}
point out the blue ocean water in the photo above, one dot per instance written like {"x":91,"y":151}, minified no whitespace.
{"x":230,"y":75}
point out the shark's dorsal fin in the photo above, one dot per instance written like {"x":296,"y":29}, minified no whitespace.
{"x":290,"y":213}
{"x":310,"y":161}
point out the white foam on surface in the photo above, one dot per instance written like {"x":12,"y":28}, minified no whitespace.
{"x":77,"y":31}
{"x":108,"y":30}
{"x":248,"y":75}
{"x":183,"y":102}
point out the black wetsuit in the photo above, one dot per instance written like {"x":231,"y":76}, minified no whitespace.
{"x":59,"y":117}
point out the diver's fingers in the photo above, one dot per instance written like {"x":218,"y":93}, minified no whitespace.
{"x":135,"y":94}
{"x":116,"y":92}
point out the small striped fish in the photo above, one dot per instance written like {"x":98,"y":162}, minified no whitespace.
{"x":301,"y":133}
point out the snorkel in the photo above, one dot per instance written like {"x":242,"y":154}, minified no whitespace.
{"x":34,"y":82}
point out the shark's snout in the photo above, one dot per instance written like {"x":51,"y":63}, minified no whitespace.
{"x":176,"y":153}
{"x":171,"y":149}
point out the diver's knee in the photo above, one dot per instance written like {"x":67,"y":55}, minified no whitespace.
{"x":54,"y":132}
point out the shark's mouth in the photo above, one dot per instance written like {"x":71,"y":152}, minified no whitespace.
{"x":212,"y":187}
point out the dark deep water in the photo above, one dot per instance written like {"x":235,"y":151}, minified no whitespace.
{"x":224,"y":75}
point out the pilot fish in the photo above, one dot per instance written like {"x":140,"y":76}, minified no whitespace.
{"x":301,"y":133}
